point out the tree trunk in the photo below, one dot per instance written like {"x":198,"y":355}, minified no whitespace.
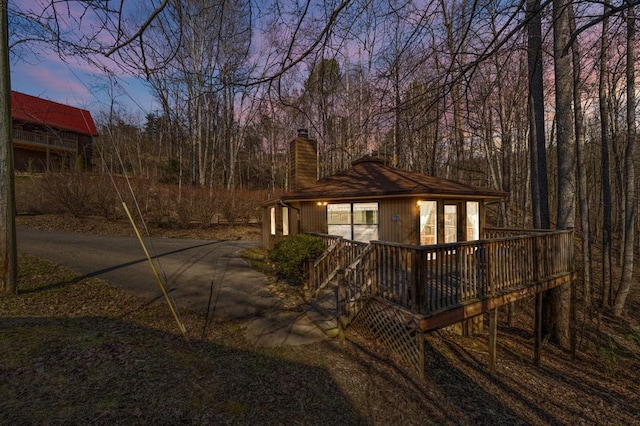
{"x":537,"y":145}
{"x":629,"y":172}
{"x":607,"y":255}
{"x":8,"y":258}
{"x":558,"y":323}
{"x":582,"y":174}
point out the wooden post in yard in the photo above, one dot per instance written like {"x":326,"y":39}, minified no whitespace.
{"x":420,"y":342}
{"x":8,"y":252}
{"x":537,"y":347}
{"x":493,"y":331}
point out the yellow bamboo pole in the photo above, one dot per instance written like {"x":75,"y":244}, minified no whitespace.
{"x":155,"y":273}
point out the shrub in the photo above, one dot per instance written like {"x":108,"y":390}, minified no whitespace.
{"x":71,"y":191}
{"x":105,"y":197}
{"x":292,"y":255}
{"x":196,"y":205}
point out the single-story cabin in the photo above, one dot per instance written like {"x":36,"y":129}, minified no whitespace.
{"x":373,"y":201}
{"x":49,"y":135}
{"x":402,"y":283}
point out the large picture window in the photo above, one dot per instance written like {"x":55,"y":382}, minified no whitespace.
{"x":353,"y":221}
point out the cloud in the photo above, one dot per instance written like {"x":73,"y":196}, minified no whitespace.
{"x":50,"y":80}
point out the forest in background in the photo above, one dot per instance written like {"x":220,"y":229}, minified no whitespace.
{"x":513,"y":95}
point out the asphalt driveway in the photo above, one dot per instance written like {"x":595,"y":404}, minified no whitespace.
{"x":206,"y":276}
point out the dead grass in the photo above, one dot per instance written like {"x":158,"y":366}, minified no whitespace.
{"x":102,"y":226}
{"x":80,"y":351}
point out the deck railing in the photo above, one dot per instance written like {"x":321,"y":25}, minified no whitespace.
{"x":427,"y":279}
{"x":44,"y":139}
{"x":491,"y":233}
{"x":339,"y":254}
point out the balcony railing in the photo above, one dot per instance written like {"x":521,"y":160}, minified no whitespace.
{"x":43,"y":140}
{"x":426,"y":280}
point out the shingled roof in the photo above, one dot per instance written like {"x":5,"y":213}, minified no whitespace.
{"x":32,"y":109}
{"x":370,"y":177}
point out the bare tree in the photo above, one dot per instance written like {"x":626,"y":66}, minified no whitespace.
{"x":629,"y":170}
{"x":537,"y":144}
{"x":558,"y":322}
{"x":581,"y":165}
{"x":607,"y":255}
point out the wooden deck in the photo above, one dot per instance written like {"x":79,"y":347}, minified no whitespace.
{"x":43,"y":142}
{"x":439,"y":285}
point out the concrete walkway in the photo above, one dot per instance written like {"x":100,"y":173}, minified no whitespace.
{"x":206,"y":276}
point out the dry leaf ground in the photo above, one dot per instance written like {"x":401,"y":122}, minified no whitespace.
{"x":77,"y":352}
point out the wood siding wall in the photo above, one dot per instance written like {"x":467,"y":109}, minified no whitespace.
{"x":398,"y":220}
{"x":313,"y":218}
{"x":269,"y":240}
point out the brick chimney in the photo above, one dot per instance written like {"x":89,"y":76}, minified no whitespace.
{"x":303,"y":162}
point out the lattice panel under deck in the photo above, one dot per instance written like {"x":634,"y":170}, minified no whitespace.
{"x":394,"y":328}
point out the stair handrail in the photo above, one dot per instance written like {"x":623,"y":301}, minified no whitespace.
{"x":354,"y":284}
{"x":338,"y":255}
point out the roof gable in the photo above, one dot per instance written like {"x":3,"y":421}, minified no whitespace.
{"x":60,"y":116}
{"x":371,"y":178}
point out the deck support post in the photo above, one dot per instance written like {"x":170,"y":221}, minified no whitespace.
{"x":493,"y":331}
{"x":341,"y":300}
{"x":537,"y":348}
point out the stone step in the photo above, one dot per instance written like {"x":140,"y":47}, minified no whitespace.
{"x":323,"y":312}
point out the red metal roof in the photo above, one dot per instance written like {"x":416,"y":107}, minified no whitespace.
{"x":41,"y":111}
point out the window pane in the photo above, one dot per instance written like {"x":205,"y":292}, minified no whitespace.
{"x":428,"y":222}
{"x":273,"y":220}
{"x":450,"y":223}
{"x":473,"y":220}
{"x":365,"y":233}
{"x":285,"y":221}
{"x":365,"y":213}
{"x":339,"y":214}
{"x":340,"y":230}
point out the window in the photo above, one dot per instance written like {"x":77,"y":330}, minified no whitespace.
{"x":365,"y":221}
{"x":473,"y":220}
{"x":353,"y":221}
{"x":450,"y":223}
{"x":285,"y":220}
{"x":339,"y":220}
{"x":272,"y":211}
{"x":428,"y":222}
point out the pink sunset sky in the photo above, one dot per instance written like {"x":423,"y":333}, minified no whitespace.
{"x":76,"y":82}
{"x":71,"y":84}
